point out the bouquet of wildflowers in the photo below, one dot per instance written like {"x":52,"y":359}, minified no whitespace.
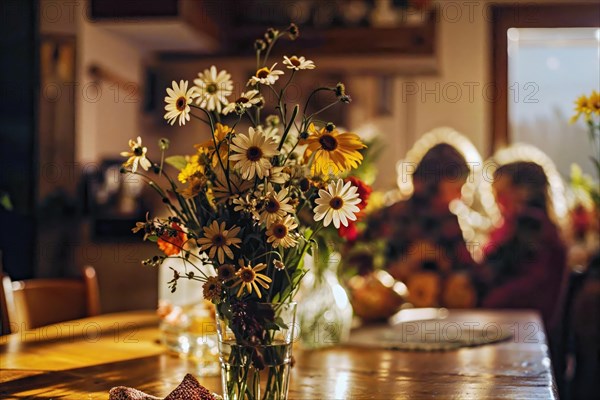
{"x":248,"y":202}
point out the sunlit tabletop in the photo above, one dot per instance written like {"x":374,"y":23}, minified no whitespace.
{"x":83,"y":359}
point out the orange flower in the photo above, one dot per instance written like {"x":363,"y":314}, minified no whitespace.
{"x":171,"y":243}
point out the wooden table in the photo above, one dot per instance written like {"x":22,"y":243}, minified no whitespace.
{"x":83,"y":359}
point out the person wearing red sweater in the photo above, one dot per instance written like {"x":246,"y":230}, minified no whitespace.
{"x":526,"y":257}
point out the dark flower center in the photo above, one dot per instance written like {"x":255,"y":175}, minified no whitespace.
{"x":219,"y":240}
{"x":138,"y":151}
{"x":336,"y":203}
{"x":211,"y":88}
{"x":272,"y":206}
{"x":181,"y":103}
{"x":254,"y":153}
{"x":225,"y":273}
{"x":242,"y":100}
{"x":328,"y":142}
{"x":262,"y":73}
{"x":280,"y":231}
{"x":295,"y":62}
{"x":247,"y":275}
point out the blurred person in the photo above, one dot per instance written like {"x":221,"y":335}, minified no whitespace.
{"x":525,"y":257}
{"x":424,"y":245}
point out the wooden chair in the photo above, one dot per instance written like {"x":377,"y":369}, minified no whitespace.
{"x":38,"y":302}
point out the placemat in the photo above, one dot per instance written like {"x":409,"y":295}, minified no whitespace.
{"x":430,"y":335}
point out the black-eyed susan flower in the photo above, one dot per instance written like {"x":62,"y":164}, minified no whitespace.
{"x":212,"y":88}
{"x":226,"y":272}
{"x":212,"y":289}
{"x":178,"y":102}
{"x":280,"y":232}
{"x":276,"y":206}
{"x":333,"y":152}
{"x":218,"y":240}
{"x":248,"y":278}
{"x":338,"y":204}
{"x":297,"y":63}
{"x":253,"y":153}
{"x":137,"y":155}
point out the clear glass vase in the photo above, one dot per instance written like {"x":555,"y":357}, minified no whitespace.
{"x":256,"y":371}
{"x":324,"y":312}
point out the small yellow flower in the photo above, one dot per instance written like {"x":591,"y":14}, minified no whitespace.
{"x":249,"y":277}
{"x":197,"y":183}
{"x":594,"y":102}
{"x":212,"y":289}
{"x":137,"y":155}
{"x":221,"y":132}
{"x":218,"y":240}
{"x":191,"y":169}
{"x":334,"y":152}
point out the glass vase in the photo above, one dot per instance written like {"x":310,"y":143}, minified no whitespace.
{"x":325,"y":312}
{"x":257,"y":369}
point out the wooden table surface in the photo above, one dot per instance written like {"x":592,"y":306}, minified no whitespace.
{"x":83,"y":359}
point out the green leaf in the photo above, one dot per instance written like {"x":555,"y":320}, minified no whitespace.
{"x":178,"y":162}
{"x":152,"y":238}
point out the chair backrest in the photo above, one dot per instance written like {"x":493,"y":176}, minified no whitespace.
{"x":39,"y":302}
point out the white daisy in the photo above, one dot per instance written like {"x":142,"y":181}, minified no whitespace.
{"x":275,"y":206}
{"x":137,"y":155}
{"x":266,"y":76}
{"x":246,"y":100}
{"x":213,"y":89}
{"x":337,"y":204}
{"x":298,"y":63}
{"x":178,"y":102}
{"x":279,"y":175}
{"x":280,"y":232}
{"x":252,"y":153}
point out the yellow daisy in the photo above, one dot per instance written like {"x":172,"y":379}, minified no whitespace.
{"x":221,"y":132}
{"x":248,"y":278}
{"x":333,"y":152}
{"x":275,"y":206}
{"x":594,"y":102}
{"x":137,"y":155}
{"x":178,"y":102}
{"x":253,"y":153}
{"x":338,"y":204}
{"x":280,"y":232}
{"x":191,"y":169}
{"x":218,"y":240}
